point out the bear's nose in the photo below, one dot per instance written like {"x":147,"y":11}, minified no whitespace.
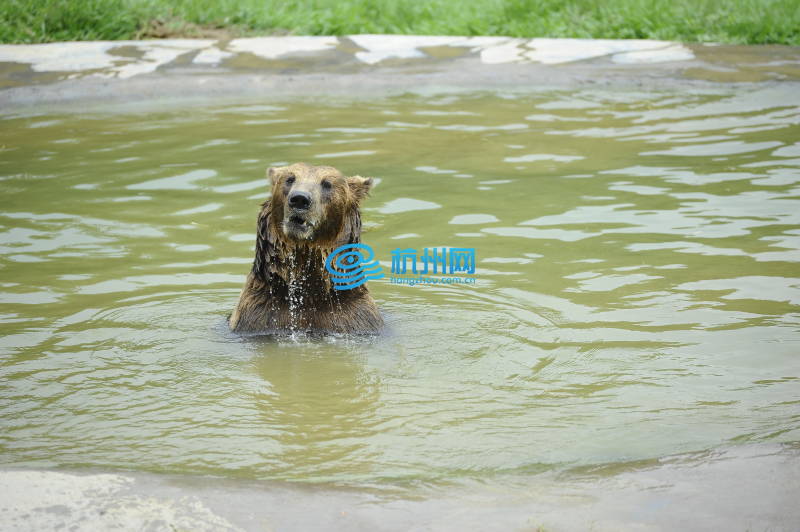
{"x":299,"y":199}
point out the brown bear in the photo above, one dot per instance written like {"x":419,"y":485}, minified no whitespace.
{"x":312,"y":211}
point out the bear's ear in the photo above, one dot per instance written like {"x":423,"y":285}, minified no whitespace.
{"x":275,"y":172}
{"x":359,"y":186}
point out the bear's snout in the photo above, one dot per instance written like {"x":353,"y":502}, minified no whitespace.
{"x":299,"y":200}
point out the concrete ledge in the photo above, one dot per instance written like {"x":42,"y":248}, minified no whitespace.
{"x":125,"y":59}
{"x":743,"y":488}
{"x":367,"y":64}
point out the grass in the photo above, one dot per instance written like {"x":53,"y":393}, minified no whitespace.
{"x":726,"y":21}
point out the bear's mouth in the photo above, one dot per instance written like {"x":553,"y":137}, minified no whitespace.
{"x":296,"y":219}
{"x":298,"y":226}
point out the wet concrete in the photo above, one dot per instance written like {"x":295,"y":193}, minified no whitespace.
{"x":367,"y":65}
{"x":743,"y":488}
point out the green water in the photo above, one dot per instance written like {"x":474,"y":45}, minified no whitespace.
{"x":637,"y":289}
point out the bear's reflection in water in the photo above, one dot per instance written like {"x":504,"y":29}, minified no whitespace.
{"x":320,"y":408}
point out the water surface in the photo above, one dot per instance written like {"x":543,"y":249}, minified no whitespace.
{"x":637,"y":291}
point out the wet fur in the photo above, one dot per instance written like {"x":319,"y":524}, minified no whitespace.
{"x":288,"y":288}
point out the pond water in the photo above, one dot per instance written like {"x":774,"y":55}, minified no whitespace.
{"x":637,"y":291}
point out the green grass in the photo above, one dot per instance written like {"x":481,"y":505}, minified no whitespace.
{"x":727,"y":21}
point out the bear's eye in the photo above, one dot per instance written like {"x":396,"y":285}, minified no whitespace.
{"x":326,"y":185}
{"x":290,"y":180}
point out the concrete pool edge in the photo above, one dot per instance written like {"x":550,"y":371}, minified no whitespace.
{"x":747,"y":487}
{"x":368,"y":66}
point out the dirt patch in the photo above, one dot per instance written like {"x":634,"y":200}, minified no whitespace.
{"x":174,"y":28}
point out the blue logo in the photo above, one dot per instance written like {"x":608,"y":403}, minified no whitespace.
{"x":435,"y":264}
{"x":351,"y":265}
{"x":461,"y":260}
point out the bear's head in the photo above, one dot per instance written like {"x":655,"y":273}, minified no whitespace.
{"x":315,"y":204}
